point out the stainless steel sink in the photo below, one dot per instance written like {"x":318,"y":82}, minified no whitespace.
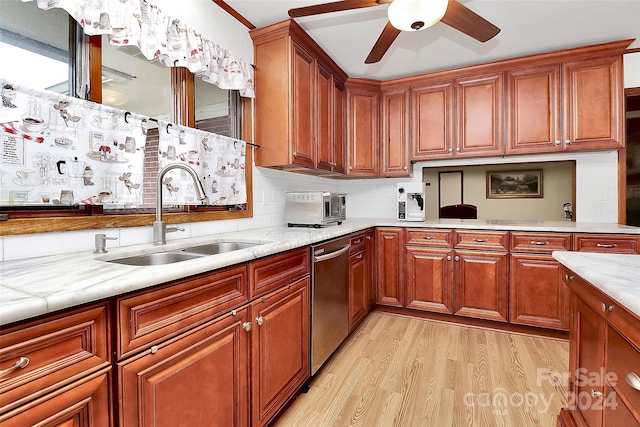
{"x":219,"y":247}
{"x":183,"y":254}
{"x":157,"y":258}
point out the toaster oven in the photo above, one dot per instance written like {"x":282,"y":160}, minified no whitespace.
{"x":315,"y":208}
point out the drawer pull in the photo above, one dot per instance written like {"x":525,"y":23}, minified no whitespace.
{"x":606,"y":307}
{"x":480,"y":240}
{"x":567,"y":277}
{"x":607,"y":246}
{"x":246,"y":326}
{"x":633,"y":380}
{"x":259,"y":320}
{"x":539,"y":243}
{"x":21,"y":363}
{"x":359,"y":256}
{"x":357,"y":242}
{"x":595,"y":393}
{"x":428,"y":237}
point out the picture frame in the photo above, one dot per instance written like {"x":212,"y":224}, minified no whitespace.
{"x":514,"y":184}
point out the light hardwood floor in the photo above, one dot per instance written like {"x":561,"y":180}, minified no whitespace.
{"x":400,"y":371}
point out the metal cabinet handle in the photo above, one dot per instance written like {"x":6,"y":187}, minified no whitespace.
{"x":405,"y":168}
{"x":606,"y":307}
{"x":450,"y":150}
{"x":357,"y":242}
{"x":567,"y":277}
{"x":480,"y":240}
{"x":457,"y":258}
{"x":368,"y":237}
{"x":595,"y":393}
{"x":604,"y":245}
{"x":259,"y":320}
{"x":558,"y":142}
{"x":567,"y":141}
{"x":21,"y":363}
{"x":448,"y":257}
{"x":428,"y":237}
{"x":539,"y":243}
{"x":246,"y":326}
{"x":458,"y":149}
{"x":633,"y":380}
{"x":359,"y":256}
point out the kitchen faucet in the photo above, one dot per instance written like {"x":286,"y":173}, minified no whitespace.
{"x":160,"y":229}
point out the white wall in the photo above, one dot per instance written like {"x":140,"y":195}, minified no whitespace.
{"x":632,"y":70}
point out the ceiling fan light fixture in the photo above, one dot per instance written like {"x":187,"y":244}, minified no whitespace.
{"x":416,"y":15}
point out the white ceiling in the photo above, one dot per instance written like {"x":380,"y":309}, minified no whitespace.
{"x":528,"y":26}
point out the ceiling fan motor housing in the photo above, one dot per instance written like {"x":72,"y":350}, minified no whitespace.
{"x":417,"y":25}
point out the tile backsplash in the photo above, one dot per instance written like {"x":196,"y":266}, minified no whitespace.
{"x":596,"y":201}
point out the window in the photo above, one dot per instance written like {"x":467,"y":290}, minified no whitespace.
{"x":128,"y":82}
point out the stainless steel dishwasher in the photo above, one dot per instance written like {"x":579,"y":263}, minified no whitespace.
{"x":329,"y":299}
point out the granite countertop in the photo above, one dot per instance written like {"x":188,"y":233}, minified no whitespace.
{"x":616,"y":275}
{"x":34,"y":286}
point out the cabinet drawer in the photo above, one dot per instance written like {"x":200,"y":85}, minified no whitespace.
{"x":427,"y":237}
{"x":357,"y":242}
{"x":540,"y":242}
{"x":154,"y":315}
{"x":613,"y":243}
{"x":268,"y":274}
{"x":60,"y":349}
{"x":623,"y":359}
{"x":488,"y":240}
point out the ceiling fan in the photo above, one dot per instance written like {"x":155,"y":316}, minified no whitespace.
{"x":410,"y":15}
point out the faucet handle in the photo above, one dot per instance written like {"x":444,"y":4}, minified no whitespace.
{"x":101,"y":243}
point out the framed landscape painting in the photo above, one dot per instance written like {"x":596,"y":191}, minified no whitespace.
{"x":514,"y":184}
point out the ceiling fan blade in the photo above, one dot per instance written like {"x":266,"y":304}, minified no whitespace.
{"x":465,"y":20}
{"x":387,"y":37}
{"x":335,"y":6}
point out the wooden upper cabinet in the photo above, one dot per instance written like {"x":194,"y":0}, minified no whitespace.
{"x":395,"y":133}
{"x":479,"y":115}
{"x":533,"y":109}
{"x":295,"y":81}
{"x":362,"y":124}
{"x":593,"y":104}
{"x":303,"y":71}
{"x":324,"y":122}
{"x":432,"y":121}
{"x":339,"y":128}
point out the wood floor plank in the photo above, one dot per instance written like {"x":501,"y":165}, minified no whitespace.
{"x":400,"y":371}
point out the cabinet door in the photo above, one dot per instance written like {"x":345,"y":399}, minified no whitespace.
{"x":279,"y":349}
{"x":362,"y":121}
{"x":324,"y":122}
{"x":480,"y":285}
{"x":395,"y":133}
{"x":533,"y":110}
{"x":593,"y":104}
{"x":429,"y":279}
{"x":85,"y":403}
{"x":200,"y":378}
{"x":538,"y":295}
{"x":432,"y":129}
{"x":303,"y":88}
{"x":587,"y":335}
{"x":358,"y":283}
{"x":479,"y":116}
{"x":339,"y":129}
{"x":389,"y":249}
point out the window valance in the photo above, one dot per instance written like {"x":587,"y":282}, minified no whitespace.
{"x":158,"y":36}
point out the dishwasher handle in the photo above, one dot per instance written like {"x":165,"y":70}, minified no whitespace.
{"x":331,"y":255}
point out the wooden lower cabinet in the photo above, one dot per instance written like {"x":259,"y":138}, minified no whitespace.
{"x":604,"y":349}
{"x":85,"y":403}
{"x":279,"y":349}
{"x":198,"y":378}
{"x":480,"y":284}
{"x":537,"y":293}
{"x":360,"y":277}
{"x":390,"y":266}
{"x":429,"y":279}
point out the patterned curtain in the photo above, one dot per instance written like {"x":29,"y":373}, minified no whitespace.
{"x":59,"y":150}
{"x":158,"y":36}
